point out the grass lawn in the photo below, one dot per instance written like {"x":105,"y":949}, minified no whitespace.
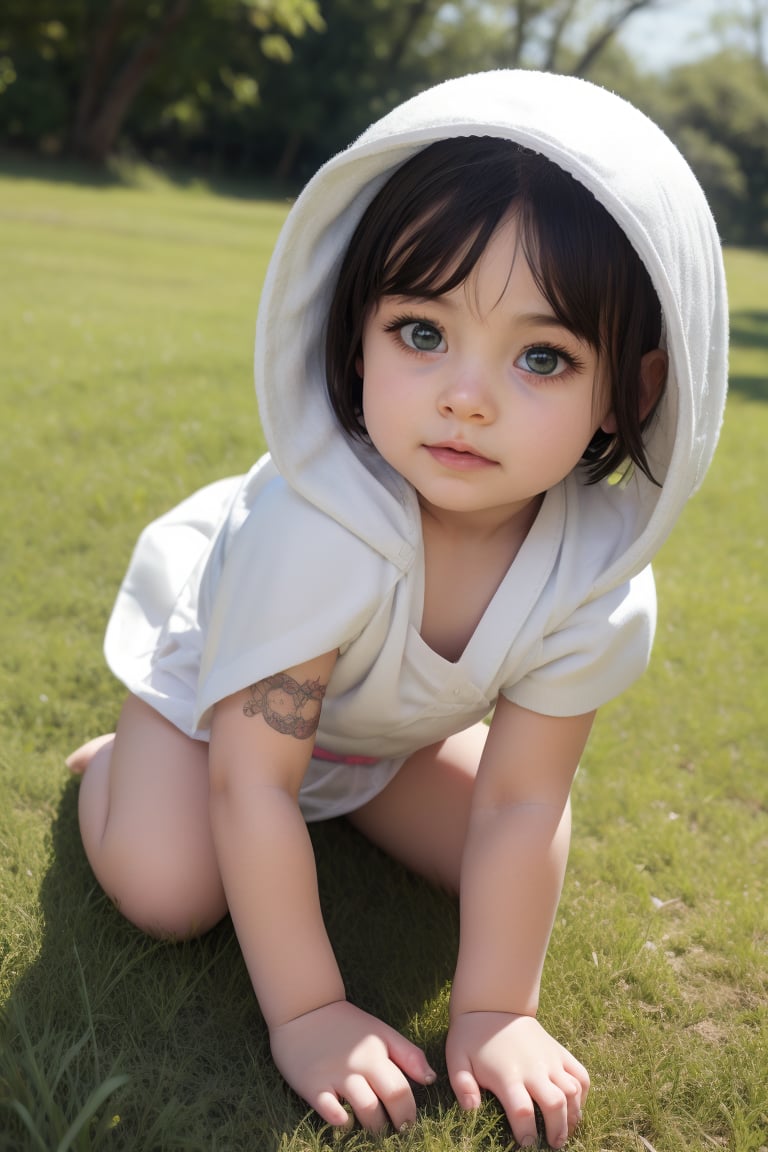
{"x":126,"y":328}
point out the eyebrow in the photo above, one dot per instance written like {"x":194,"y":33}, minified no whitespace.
{"x":548,"y":319}
{"x":531,"y":319}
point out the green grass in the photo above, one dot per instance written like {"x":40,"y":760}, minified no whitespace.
{"x":126,"y":329}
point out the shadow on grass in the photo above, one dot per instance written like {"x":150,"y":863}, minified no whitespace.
{"x":751,"y":387}
{"x":113,"y":1040}
{"x":749,"y":330}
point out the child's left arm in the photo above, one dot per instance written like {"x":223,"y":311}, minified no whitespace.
{"x":512,"y":873}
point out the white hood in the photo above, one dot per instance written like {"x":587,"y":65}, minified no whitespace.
{"x":641,"y":179}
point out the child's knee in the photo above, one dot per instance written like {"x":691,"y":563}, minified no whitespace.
{"x":170,"y":919}
{"x":166,"y":887}
{"x":163,"y":895}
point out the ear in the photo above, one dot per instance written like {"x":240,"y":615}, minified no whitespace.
{"x":653,"y":373}
{"x":610,"y":424}
{"x":359,"y":366}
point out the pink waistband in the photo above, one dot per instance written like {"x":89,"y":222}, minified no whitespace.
{"x":319,"y":753}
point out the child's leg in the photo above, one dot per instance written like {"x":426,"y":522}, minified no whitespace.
{"x":421,"y":816}
{"x":145,"y":826}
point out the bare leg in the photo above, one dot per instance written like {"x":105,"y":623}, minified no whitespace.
{"x":145,"y":827}
{"x":81,"y":758}
{"x":421,"y":816}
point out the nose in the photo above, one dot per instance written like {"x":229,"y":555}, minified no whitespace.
{"x":468,"y":396}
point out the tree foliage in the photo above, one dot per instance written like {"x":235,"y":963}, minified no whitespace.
{"x":717,"y":111}
{"x":80,"y":71}
{"x":276,"y":86}
{"x":370,"y":57}
{"x":219,"y":74}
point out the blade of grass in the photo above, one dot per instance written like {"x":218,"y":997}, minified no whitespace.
{"x":98,"y":1097}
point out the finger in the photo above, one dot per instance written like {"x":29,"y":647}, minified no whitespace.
{"x":409,"y":1057}
{"x":364,"y":1103}
{"x":572,"y":1090}
{"x":394,"y":1091}
{"x":518,"y":1105}
{"x":579,"y":1072}
{"x":552,"y":1102}
{"x":330,"y":1109}
{"x":465,"y":1088}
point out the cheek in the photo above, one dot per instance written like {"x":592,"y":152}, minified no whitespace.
{"x":562,"y":435}
{"x":602,"y":406}
{"x":383,"y":385}
{"x":587,"y":412}
{"x":379,"y":426}
{"x":371,"y":407}
{"x":387,"y":408}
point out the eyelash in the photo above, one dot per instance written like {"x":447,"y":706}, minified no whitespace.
{"x":574,"y":363}
{"x":399,"y":322}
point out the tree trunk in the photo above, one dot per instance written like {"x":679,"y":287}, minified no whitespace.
{"x":606,"y":34}
{"x":287,"y":161}
{"x":99,"y":133}
{"x":416,"y":12}
{"x":555,"y":39}
{"x":522,"y":15}
{"x":96,"y":69}
{"x":758,"y":17}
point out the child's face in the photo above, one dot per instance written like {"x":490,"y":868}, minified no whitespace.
{"x":480,"y":398}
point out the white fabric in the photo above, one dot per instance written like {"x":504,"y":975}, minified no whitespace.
{"x":320,"y":546}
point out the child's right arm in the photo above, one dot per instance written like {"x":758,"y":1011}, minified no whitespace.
{"x":327,"y":1050}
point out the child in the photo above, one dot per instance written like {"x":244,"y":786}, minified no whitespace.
{"x":491,"y":364}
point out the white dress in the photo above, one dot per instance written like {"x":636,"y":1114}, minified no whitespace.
{"x":319,"y":547}
{"x":245,"y":579}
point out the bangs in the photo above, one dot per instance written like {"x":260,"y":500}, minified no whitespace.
{"x":578,"y":255}
{"x":438,"y":252}
{"x":568,"y":239}
{"x":451,"y":198}
{"x":425,"y":231}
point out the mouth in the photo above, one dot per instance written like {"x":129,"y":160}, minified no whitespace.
{"x":457,"y":455}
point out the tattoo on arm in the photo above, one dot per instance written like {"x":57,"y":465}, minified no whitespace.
{"x":288,"y":707}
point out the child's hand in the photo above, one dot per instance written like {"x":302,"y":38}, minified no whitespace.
{"x":515,"y":1059}
{"x":339,"y":1052}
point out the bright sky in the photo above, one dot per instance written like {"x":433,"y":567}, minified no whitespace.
{"x":675,"y":31}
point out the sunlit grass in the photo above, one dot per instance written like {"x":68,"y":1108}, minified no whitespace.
{"x":126,"y":329}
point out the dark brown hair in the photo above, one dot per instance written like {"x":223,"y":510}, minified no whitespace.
{"x":426,"y":229}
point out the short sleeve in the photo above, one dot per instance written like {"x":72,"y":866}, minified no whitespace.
{"x":594,"y":655}
{"x":294,"y":584}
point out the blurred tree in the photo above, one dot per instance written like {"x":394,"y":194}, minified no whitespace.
{"x":110,"y":84}
{"x":207,"y":76}
{"x":370,"y":57}
{"x":745,"y":28}
{"x":717,"y":111}
{"x":95,"y":57}
{"x":276,"y":87}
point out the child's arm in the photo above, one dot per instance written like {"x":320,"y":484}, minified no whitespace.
{"x":328,"y":1050}
{"x":512,"y":873}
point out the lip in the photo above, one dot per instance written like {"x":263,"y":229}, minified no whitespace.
{"x":458,"y":456}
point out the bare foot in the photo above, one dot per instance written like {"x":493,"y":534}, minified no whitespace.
{"x":79,"y":760}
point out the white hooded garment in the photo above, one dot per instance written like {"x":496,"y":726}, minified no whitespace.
{"x":319,"y":547}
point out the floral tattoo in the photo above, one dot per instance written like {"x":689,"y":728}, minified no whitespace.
{"x":288,"y":707}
